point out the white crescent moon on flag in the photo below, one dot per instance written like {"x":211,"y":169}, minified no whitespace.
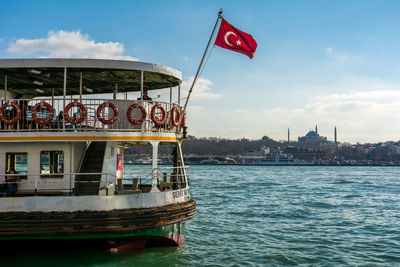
{"x":226,"y":37}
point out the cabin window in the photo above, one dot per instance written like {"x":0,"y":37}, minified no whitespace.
{"x":51,"y":163}
{"x":17,"y":162}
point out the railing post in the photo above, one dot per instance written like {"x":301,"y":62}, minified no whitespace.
{"x":106,"y":184}
{"x":140,"y":176}
{"x":36,"y":185}
{"x":115,"y":182}
{"x":64,"y":95}
{"x":70,"y":184}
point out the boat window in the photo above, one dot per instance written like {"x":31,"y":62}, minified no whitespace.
{"x":51,"y":163}
{"x":17,"y":162}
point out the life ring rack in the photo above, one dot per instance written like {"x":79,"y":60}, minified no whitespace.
{"x":37,"y":107}
{"x":16,"y":117}
{"x":142,"y":109}
{"x":154,"y":118}
{"x":115,"y":113}
{"x":82,"y":116}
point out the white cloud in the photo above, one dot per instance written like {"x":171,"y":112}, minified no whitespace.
{"x":243,"y":111}
{"x":64,"y":44}
{"x":185,"y":58}
{"x":340,"y":58}
{"x":194,"y":109}
{"x":374,"y":95}
{"x":361,"y":116}
{"x":364,"y":109}
{"x":201,"y":90}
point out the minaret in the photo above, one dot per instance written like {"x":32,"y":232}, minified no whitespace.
{"x":288,"y":136}
{"x":335,"y":136}
{"x":316,"y":129}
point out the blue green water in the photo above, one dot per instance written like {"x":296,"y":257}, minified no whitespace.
{"x":320,"y":216}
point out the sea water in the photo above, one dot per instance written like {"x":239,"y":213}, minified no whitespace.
{"x":271,"y":215}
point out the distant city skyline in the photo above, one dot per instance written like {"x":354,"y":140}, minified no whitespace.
{"x":330,"y":63}
{"x":291,"y":138}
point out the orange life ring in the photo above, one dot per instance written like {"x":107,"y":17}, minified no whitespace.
{"x":48,"y":107}
{"x":142,"y":109}
{"x":81,"y":118}
{"x":115,"y":113}
{"x":154,"y":118}
{"x":3,"y":116}
{"x":183,"y":122}
{"x":174,"y":118}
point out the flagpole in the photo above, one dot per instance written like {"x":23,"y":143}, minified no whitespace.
{"x":201,"y":63}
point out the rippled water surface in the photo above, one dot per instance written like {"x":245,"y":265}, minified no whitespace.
{"x":259,"y":215}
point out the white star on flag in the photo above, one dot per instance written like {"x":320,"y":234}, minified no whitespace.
{"x":238,"y":42}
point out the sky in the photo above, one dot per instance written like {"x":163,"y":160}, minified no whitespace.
{"x":325,"y":63}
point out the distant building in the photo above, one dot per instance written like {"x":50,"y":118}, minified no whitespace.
{"x":329,"y":148}
{"x":312,"y":137}
{"x":266,"y":138}
{"x":335,"y":134}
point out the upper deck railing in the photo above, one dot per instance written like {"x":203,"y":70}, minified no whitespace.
{"x":86,"y":115}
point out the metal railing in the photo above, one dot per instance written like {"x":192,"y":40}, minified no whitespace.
{"x":167,"y":177}
{"x":64,"y":184}
{"x":91,"y":122}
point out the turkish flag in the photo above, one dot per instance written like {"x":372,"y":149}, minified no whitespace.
{"x":233,"y":39}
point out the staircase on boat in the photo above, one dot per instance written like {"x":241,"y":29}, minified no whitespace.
{"x":92,"y":163}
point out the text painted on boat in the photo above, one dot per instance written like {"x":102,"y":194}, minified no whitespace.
{"x":181,"y":193}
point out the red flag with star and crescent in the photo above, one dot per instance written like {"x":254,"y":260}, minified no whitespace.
{"x":233,"y":39}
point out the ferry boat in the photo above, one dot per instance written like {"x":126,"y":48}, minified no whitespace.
{"x":277,"y":158}
{"x":62,"y":137}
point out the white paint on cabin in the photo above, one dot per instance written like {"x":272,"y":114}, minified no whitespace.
{"x":73,"y":153}
{"x":109,"y":163}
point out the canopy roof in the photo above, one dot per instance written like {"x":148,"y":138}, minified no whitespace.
{"x":38,"y":77}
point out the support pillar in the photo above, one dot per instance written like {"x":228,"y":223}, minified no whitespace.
{"x":64,"y":95}
{"x":5,"y":88}
{"x":141,"y":85}
{"x":115,"y":91}
{"x":52,"y":97}
{"x":154,"y":187}
{"x":80,"y":89}
{"x":179,"y":94}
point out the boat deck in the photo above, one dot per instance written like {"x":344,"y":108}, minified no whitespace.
{"x":138,"y":180}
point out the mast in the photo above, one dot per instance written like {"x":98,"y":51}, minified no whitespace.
{"x":201,"y":64}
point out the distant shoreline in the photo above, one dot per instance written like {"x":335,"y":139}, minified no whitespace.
{"x":280,"y":165}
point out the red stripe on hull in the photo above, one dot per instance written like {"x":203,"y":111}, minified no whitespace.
{"x":137,"y":244}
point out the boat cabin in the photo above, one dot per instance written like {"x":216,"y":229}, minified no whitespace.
{"x":65,"y":123}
